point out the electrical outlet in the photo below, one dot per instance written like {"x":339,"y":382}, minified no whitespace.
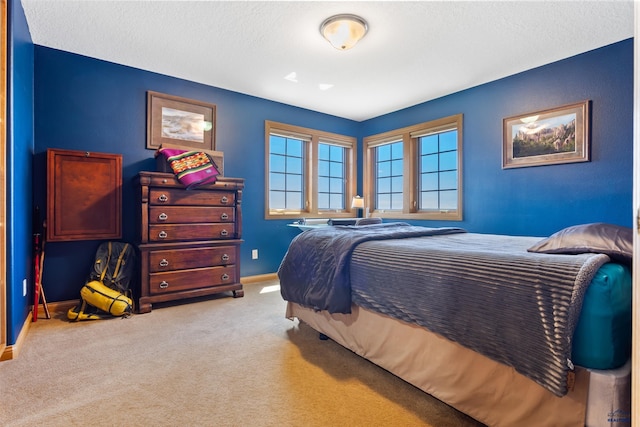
{"x":24,"y":287}
{"x":254,"y":254}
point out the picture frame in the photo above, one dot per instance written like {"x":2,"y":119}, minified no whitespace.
{"x":180,"y":121}
{"x":547,"y":137}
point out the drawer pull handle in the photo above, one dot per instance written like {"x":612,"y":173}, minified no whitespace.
{"x":164,"y":284}
{"x":163,"y":198}
{"x":224,"y":233}
{"x":224,"y":200}
{"x":225,"y":257}
{"x":163,"y":216}
{"x":225,"y":276}
{"x":164,"y":263}
{"x":224,"y":216}
{"x":162,"y":234}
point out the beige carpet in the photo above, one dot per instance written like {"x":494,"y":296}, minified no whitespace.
{"x":216,"y":362}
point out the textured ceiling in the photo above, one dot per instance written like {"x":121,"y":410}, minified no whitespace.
{"x":414,"y":52}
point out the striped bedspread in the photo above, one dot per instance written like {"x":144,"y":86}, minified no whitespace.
{"x":315,"y":270}
{"x":485,"y":292}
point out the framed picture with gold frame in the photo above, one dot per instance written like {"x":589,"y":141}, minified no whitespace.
{"x":180,"y":121}
{"x":547,"y":137}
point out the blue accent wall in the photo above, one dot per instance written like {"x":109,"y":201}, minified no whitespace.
{"x":19,"y":168}
{"x":86,"y":104}
{"x":92,"y":105}
{"x":541,"y":200}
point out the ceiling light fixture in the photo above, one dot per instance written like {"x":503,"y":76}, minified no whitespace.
{"x":344,"y":31}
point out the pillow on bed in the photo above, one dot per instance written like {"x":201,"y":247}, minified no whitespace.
{"x":368,"y":221}
{"x":613,"y":240}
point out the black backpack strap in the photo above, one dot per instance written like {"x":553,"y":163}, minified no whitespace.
{"x":106,"y":267}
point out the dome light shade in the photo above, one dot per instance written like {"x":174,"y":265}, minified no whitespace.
{"x":344,"y":31}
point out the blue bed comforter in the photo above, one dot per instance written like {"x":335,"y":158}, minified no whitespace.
{"x":486,"y":292}
{"x":315,"y":270}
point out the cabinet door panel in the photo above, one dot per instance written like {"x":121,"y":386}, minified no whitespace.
{"x":84,"y":195}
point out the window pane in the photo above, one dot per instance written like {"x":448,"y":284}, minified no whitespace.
{"x":294,"y":147}
{"x":429,"y":200}
{"x":449,"y":140}
{"x":323,"y":152}
{"x":384,"y":185}
{"x":448,"y":160}
{"x":323,"y":184}
{"x":294,"y":200}
{"x":396,"y":167}
{"x":323,"y":200}
{"x":396,"y":150}
{"x":439,"y":175}
{"x":383,"y":202}
{"x":276,"y":163}
{"x":323,"y":168}
{"x":429,"y":144}
{"x":396,"y":201}
{"x":448,"y":180}
{"x":429,"y":182}
{"x":383,"y":153}
{"x":277,"y":144}
{"x":294,"y":182}
{"x":294,"y":165}
{"x":337,"y":169}
{"x":286,"y":180}
{"x":396,"y":184}
{"x":429,"y":163}
{"x":337,"y":153}
{"x":449,"y":199}
{"x":384,"y":169}
{"x":277,"y":181}
{"x":276,"y":199}
{"x":337,"y":201}
{"x":335,"y":185}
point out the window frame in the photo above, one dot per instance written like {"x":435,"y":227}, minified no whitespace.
{"x":411,"y":170}
{"x":311,"y":139}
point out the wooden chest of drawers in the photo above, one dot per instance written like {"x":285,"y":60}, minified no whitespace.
{"x":189,"y":240}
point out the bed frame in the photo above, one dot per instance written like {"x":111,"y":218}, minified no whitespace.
{"x":488,"y":391}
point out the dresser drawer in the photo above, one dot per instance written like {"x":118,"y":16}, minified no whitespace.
{"x":181,"y":259}
{"x":160,"y":283}
{"x":190,"y":214}
{"x":175,"y":196}
{"x":178,"y":232}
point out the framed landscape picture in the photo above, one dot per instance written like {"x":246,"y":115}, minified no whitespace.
{"x":180,"y":121}
{"x":547,"y":137}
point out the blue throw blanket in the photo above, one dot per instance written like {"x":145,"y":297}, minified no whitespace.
{"x":315,"y":269}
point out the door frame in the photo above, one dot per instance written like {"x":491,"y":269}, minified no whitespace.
{"x":3,"y":175}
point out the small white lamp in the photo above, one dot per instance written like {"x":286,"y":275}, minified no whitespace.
{"x":357,"y":202}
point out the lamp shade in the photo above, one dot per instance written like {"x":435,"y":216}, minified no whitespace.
{"x":344,"y":31}
{"x":357,"y":202}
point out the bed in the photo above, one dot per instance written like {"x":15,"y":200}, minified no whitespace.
{"x":510,"y":330}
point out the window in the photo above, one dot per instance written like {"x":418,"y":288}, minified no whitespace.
{"x":389,"y":179}
{"x":309,"y":173}
{"x":416,"y":172}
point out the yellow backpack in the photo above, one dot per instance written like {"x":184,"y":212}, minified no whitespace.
{"x":114,"y":265}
